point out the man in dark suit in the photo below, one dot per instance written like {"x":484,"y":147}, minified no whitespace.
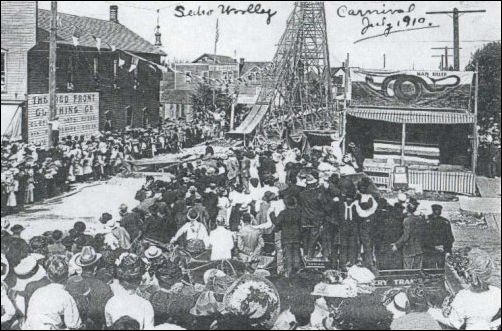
{"x":438,"y":238}
{"x":410,"y":242}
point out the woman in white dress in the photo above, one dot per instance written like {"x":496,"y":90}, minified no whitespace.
{"x":475,"y":307}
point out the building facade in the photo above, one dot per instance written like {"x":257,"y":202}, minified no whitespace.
{"x":121,"y":75}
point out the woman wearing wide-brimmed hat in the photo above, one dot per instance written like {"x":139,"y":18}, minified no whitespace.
{"x":475,"y":307}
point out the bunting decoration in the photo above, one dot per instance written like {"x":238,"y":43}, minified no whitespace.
{"x":121,"y":62}
{"x":98,"y":42}
{"x":134,"y":64}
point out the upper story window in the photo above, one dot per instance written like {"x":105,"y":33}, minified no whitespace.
{"x":188,"y":76}
{"x":4,"y":76}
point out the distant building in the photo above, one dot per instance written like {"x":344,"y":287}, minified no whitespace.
{"x":177,"y":86}
{"x":251,"y":74}
{"x":94,"y":87}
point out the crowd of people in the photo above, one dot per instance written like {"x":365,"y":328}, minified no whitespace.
{"x":31,"y":172}
{"x":198,"y":248}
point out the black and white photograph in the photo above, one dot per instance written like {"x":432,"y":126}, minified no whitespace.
{"x":250,"y":165}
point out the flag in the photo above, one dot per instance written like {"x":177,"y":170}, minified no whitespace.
{"x":134,"y":64}
{"x":75,"y":40}
{"x":153,"y":67}
{"x":112,"y":47}
{"x":75,"y":37}
{"x":98,"y":42}
{"x":121,"y":62}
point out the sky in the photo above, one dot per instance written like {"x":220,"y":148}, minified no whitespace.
{"x":250,"y":36}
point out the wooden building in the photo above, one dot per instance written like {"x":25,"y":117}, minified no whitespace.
{"x":120,"y":73}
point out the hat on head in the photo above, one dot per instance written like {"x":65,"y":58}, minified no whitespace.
{"x":310,"y":180}
{"x":57,"y":268}
{"x":111,"y":224}
{"x":129,"y":267}
{"x":220,"y":220}
{"x":87,"y":257}
{"x":153,"y":252}
{"x":413,"y":202}
{"x":5,"y":267}
{"x":334,"y":290}
{"x":105,"y":217}
{"x":26,"y":266}
{"x":436,"y":207}
{"x":192,"y":215}
{"x":17,"y":229}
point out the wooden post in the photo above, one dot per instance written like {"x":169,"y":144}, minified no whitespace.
{"x":475,"y":125}
{"x":403,"y":142}
{"x":232,"y":115}
{"x":345,"y":97}
{"x":52,"y":67}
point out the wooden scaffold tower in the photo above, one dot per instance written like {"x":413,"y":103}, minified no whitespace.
{"x":296,"y":92}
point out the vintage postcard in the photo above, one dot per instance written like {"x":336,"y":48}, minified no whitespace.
{"x":250,"y":165}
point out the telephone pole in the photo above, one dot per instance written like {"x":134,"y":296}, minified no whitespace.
{"x":441,"y":65}
{"x":445,"y":55}
{"x":52,"y":66}
{"x":456,"y":38}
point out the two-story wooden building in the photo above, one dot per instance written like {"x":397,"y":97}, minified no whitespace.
{"x":114,"y":86}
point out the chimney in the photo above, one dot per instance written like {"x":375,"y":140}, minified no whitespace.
{"x":114,"y":13}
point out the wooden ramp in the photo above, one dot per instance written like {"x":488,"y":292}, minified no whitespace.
{"x":251,"y":121}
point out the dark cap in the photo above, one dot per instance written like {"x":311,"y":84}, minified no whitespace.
{"x":436,"y":207}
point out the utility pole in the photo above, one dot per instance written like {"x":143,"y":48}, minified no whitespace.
{"x":446,"y":55}
{"x":52,"y":67}
{"x":441,"y":65}
{"x":456,"y":34}
{"x":384,"y":60}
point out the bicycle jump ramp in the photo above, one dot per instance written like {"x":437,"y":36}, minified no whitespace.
{"x":251,"y":121}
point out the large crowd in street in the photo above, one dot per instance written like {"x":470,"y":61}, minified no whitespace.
{"x":32,"y":172}
{"x":211,"y":241}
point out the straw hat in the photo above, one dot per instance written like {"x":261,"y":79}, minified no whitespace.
{"x":87,"y":257}
{"x":153,"y":252}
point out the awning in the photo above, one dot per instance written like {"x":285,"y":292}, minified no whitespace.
{"x":412,"y":116}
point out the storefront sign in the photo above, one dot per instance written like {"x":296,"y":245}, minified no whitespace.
{"x":78,"y":115}
{"x":412,"y":89}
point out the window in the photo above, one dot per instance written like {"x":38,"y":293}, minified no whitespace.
{"x":4,"y":77}
{"x":224,"y":75}
{"x":252,"y":77}
{"x":205,"y":74}
{"x":258,"y":77}
{"x":230,"y":76}
{"x":188,"y":76}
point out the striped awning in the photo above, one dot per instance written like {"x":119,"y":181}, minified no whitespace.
{"x":412,"y":116}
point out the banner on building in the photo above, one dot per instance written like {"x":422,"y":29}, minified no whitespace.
{"x":78,"y":115}
{"x":412,"y":89}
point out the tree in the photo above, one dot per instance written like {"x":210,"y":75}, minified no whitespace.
{"x":202,"y":99}
{"x":488,"y":59}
